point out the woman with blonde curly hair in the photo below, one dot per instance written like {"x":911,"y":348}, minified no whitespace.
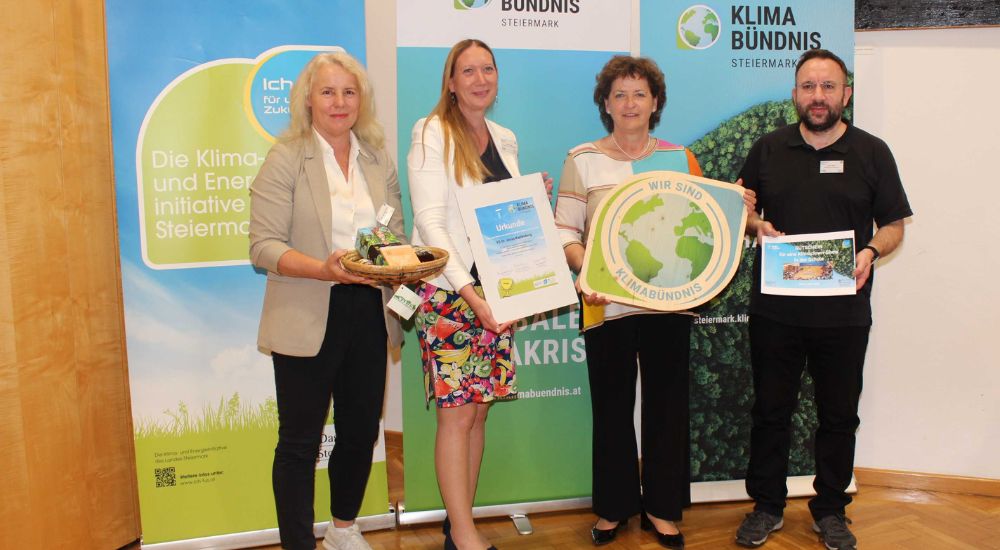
{"x":325,"y":328}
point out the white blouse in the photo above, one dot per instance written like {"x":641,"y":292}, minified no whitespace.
{"x":350,"y":202}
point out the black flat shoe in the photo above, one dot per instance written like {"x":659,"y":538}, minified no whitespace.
{"x":604,"y":536}
{"x":674,"y":542}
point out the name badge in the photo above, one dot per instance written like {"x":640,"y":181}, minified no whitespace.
{"x":508,"y":145}
{"x":831,"y":167}
{"x":404,"y":302}
{"x":385,"y":214}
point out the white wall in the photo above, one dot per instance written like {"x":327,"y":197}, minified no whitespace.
{"x":932,"y":383}
{"x":931,"y":401}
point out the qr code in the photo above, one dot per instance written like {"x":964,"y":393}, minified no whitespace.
{"x":166,"y":477}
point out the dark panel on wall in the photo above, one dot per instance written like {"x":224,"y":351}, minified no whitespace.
{"x":896,"y":14}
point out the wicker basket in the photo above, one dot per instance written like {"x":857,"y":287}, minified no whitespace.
{"x":396,"y":275}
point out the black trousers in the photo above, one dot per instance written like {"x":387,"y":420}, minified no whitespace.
{"x":835,"y":358}
{"x":661,"y":342}
{"x":351,"y":368}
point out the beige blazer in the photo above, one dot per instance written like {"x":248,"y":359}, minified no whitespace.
{"x":290,"y":208}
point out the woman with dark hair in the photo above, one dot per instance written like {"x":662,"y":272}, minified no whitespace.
{"x":630,"y":96}
{"x":466,"y":352}
{"x":325,"y":328}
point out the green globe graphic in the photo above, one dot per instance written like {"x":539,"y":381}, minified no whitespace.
{"x":470,"y":4}
{"x":698,"y":27}
{"x":666,"y":230}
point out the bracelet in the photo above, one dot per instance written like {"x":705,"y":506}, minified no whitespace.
{"x":875,"y":253}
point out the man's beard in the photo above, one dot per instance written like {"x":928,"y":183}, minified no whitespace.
{"x":829,"y":121}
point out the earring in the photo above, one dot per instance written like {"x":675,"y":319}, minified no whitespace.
{"x":452,"y":96}
{"x":496,"y":99}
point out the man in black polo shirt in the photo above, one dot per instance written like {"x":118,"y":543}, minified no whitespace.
{"x":820,"y":175}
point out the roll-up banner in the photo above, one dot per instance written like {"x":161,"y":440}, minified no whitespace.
{"x":547,"y":53}
{"x":730,"y":70}
{"x":199,"y":92}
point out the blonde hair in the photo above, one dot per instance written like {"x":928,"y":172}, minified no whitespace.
{"x":457,"y":132}
{"x":367,"y":127}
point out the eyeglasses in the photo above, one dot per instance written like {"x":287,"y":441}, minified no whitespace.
{"x":810,"y":87}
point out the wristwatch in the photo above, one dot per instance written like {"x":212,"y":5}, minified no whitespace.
{"x":875,"y":253}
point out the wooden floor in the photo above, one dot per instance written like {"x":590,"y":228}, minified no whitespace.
{"x":884,"y":518}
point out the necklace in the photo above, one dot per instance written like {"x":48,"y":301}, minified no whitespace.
{"x":644,"y":152}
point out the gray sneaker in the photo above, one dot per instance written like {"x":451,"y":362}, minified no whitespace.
{"x":833,"y":532}
{"x":347,"y":538}
{"x":756,"y":527}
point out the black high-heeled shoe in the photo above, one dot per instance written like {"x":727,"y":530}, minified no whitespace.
{"x":674,"y":542}
{"x":604,"y":536}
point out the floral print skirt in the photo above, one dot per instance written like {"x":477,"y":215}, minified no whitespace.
{"x":463,"y":362}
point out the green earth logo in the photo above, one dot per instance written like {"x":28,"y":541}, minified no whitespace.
{"x":686,"y":245}
{"x":665,"y":240}
{"x":471,"y":4}
{"x":698,"y":28}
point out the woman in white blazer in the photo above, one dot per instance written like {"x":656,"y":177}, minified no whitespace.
{"x":325,"y":328}
{"x":466,"y":353}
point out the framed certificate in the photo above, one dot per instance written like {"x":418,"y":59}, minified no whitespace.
{"x":516,"y":247}
{"x":811,"y":264}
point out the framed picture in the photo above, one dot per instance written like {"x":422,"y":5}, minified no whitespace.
{"x":916,"y":14}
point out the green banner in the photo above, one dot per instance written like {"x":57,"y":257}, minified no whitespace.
{"x":537,"y":446}
{"x":199,"y":90}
